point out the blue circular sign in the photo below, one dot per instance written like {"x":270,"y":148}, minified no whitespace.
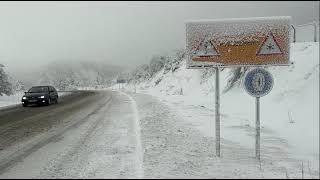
{"x":258,"y":82}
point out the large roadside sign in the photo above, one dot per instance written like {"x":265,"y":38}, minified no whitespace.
{"x":238,"y":42}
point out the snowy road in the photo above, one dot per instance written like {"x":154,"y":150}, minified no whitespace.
{"x":89,"y":134}
{"x":110,"y":134}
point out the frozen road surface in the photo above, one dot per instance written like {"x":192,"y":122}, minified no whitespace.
{"x":88,"y":134}
{"x":111,"y":134}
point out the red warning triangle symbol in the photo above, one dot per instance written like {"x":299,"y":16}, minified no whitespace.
{"x":206,"y":48}
{"x":269,"y":46}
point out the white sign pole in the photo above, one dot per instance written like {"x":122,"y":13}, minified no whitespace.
{"x":258,"y":82}
{"x":217,"y":113}
{"x":258,"y":128}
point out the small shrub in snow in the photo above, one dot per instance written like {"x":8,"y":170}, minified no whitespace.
{"x":158,"y":81}
{"x":236,"y":74}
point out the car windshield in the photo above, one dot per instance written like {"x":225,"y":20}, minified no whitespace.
{"x":38,"y":89}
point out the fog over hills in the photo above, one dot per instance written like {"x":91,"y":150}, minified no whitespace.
{"x":68,"y":75}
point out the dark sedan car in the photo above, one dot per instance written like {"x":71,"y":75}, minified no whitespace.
{"x":40,"y":95}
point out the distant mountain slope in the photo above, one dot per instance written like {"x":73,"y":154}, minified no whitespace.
{"x":68,"y":75}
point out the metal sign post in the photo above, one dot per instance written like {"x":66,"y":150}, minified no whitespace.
{"x":217,"y":114}
{"x":258,"y":82}
{"x":258,"y":128}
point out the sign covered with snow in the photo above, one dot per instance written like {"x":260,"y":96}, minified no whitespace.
{"x":258,"y":82}
{"x":238,"y":42}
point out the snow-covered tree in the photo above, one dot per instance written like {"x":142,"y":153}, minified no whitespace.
{"x":173,"y":62}
{"x":5,"y":85}
{"x":235,"y":76}
{"x":17,"y":85}
{"x":156,"y":64}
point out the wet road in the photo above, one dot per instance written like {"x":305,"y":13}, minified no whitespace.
{"x":19,"y":125}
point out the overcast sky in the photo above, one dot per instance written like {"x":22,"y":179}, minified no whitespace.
{"x":122,"y":33}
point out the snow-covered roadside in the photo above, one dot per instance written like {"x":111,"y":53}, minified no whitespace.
{"x":136,"y":131}
{"x":289,"y":114}
{"x":173,"y":148}
{"x":10,"y":100}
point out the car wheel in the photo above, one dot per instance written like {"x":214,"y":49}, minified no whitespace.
{"x":49,"y":102}
{"x":25,"y":105}
{"x":56,"y":100}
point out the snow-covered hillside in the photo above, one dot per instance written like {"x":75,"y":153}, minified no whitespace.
{"x":290,"y":112}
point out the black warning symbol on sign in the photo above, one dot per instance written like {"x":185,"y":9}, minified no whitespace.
{"x":269,"y":46}
{"x":206,"y":48}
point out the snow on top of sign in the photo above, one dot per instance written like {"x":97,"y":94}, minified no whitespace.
{"x":235,"y":20}
{"x":236,"y":31}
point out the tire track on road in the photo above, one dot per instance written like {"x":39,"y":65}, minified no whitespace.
{"x":105,"y":147}
{"x":21,"y":130}
{"x":17,"y":156}
{"x":22,"y":115}
{"x":57,"y":169}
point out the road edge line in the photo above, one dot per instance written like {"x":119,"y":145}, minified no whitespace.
{"x":137,"y":130}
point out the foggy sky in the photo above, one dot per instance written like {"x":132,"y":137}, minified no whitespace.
{"x":121,"y":33}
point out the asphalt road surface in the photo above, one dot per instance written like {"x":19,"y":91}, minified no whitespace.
{"x":19,"y":123}
{"x":55,"y":141}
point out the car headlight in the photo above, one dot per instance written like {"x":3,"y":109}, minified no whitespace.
{"x":24,"y":97}
{"x":41,"y":97}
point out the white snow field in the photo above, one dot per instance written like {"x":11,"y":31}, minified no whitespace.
{"x":184,"y":123}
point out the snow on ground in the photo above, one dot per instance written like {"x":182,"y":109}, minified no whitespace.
{"x":11,"y":100}
{"x":289,"y":114}
{"x":16,"y":98}
{"x":173,"y":148}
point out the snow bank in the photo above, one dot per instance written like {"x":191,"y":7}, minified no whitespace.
{"x":11,"y":100}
